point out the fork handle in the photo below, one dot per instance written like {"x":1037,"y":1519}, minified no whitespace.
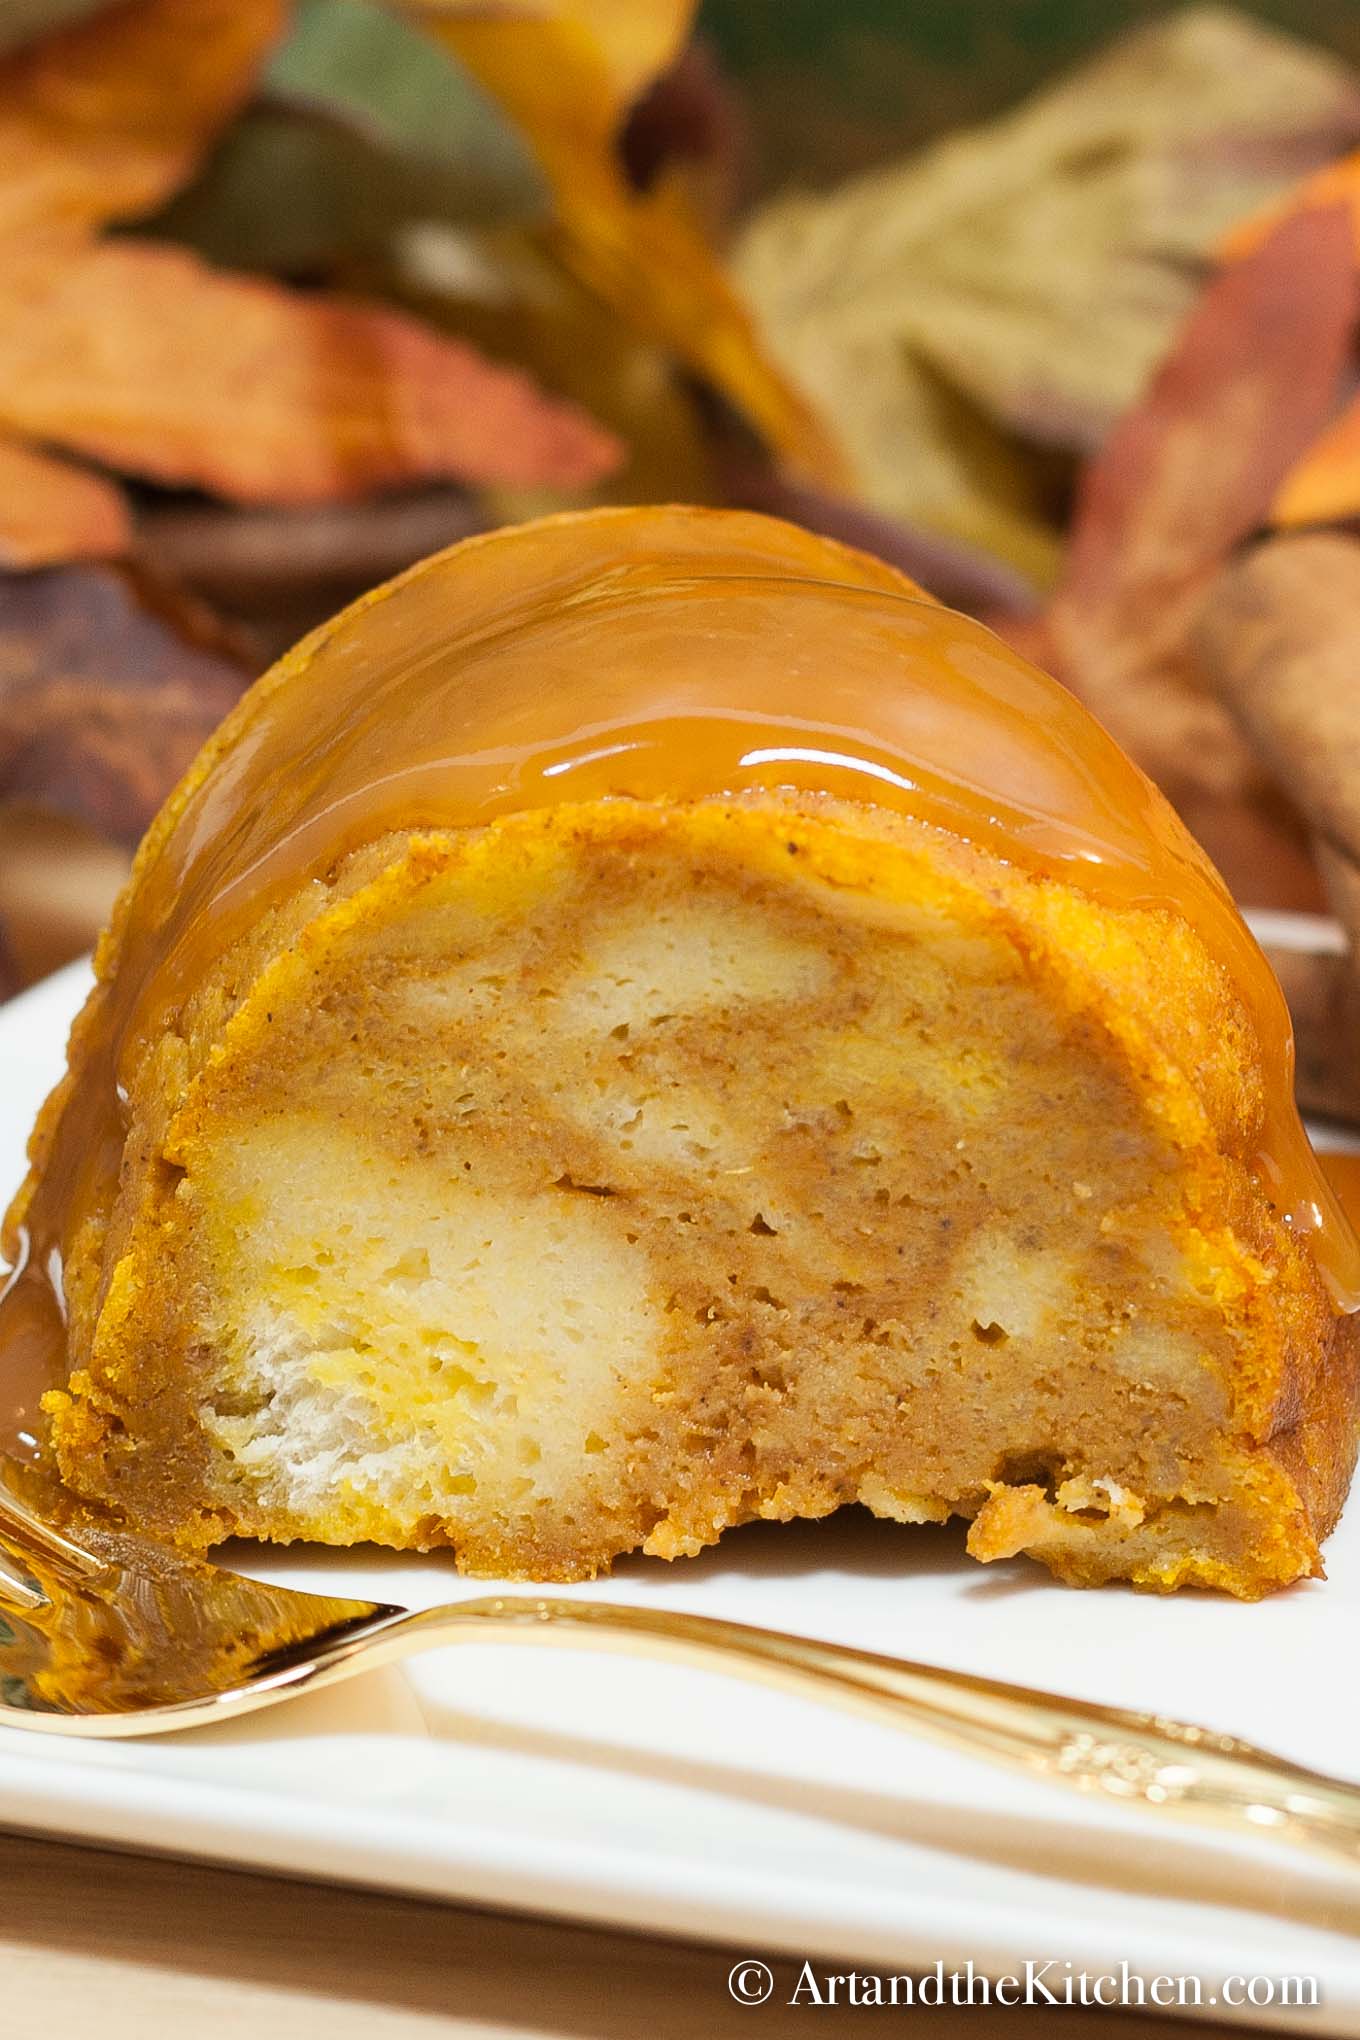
{"x":1137,"y":1759}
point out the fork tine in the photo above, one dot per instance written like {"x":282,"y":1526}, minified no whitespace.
{"x":20,"y":1527}
{"x":17,"y":1590}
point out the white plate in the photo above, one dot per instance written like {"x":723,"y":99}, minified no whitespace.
{"x":658,"y":1799}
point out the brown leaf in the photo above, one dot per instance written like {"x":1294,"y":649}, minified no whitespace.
{"x":1276,"y":635}
{"x":233,"y":557}
{"x":1184,"y":477}
{"x":105,"y":696}
{"x":567,"y":72}
{"x":1277,"y":638}
{"x":691,"y":116}
{"x":10,"y":980}
{"x":105,"y":119}
{"x":954,"y":573}
{"x":279,"y":573}
{"x":50,"y":510}
{"x":146,"y":359}
{"x":23,"y":21}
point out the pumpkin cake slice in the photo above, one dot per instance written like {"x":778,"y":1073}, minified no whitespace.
{"x":647,"y":1023}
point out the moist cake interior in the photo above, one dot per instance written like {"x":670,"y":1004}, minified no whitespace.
{"x":602,"y":1178}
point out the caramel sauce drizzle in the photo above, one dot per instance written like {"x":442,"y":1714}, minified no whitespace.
{"x":662,"y":654}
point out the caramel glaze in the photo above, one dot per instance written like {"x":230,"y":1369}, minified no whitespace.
{"x":659,"y":653}
{"x":1341,"y":1168}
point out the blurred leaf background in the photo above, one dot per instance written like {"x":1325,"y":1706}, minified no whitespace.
{"x":836,"y":89}
{"x":295,"y":291}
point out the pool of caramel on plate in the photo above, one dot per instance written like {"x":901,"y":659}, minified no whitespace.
{"x":660,"y":654}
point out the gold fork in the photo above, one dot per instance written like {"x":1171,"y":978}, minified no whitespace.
{"x":103,"y":1633}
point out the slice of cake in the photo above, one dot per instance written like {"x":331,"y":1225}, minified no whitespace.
{"x":646,"y":1023}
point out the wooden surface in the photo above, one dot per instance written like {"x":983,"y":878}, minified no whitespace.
{"x":129,"y":1948}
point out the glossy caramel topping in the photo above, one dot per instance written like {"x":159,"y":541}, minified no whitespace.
{"x":663,"y":654}
{"x":1342,"y":1171}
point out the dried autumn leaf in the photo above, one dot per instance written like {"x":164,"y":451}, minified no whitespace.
{"x":144,"y":358}
{"x":140,"y":356}
{"x":9,"y":970}
{"x":567,"y":72}
{"x":232,"y":557}
{"x":104,"y":698}
{"x":103,"y":120}
{"x":281,"y":572}
{"x":690,"y":121}
{"x":1324,"y":484}
{"x":615,"y":47}
{"x":507,"y":294}
{"x":1189,"y":470}
{"x":1022,"y":280}
{"x":1185,"y":476}
{"x":965,"y":579}
{"x":376,"y":76}
{"x":1277,"y":636}
{"x":1323,"y":487}
{"x":349,"y":196}
{"x":23,"y":21}
{"x":443,"y":211}
{"x":1335,"y":184}
{"x":50,"y":510}
{"x":1278,"y":640}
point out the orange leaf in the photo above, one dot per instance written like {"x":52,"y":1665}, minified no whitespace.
{"x":1191,"y":469}
{"x":1185,"y":476}
{"x":621,"y":45}
{"x":104,"y":120}
{"x":52,"y":511}
{"x":1336,"y":184}
{"x":567,"y":71}
{"x":145,"y":358}
{"x":1324,"y":488}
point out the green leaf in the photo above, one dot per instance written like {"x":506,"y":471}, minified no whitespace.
{"x":349,"y":198}
{"x":354,"y":60}
{"x":367,"y":129}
